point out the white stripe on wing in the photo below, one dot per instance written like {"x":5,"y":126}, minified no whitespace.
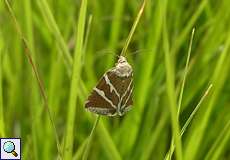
{"x":112,"y":88}
{"x":102,"y":94}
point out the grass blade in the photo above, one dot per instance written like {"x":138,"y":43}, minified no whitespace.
{"x":170,"y":80}
{"x":218,"y":80}
{"x":219,"y":144}
{"x":188,"y":27}
{"x":44,"y":7}
{"x":74,"y":87}
{"x":182,"y":88}
{"x":185,"y":73}
{"x":34,"y":92}
{"x":86,"y":153}
{"x":35,"y":71}
{"x":107,"y":143}
{"x":195,"y":110}
{"x":154,"y":137}
{"x":80,"y":151}
{"x":123,"y":52}
{"x":2,"y":124}
{"x":172,"y":146}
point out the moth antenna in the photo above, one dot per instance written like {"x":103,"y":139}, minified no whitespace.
{"x":102,"y":53}
{"x":146,"y":51}
{"x":105,"y":52}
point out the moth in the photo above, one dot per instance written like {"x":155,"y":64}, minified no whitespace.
{"x":113,"y":94}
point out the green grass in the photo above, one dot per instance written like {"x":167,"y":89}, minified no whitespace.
{"x":72,"y":43}
{"x":171,"y":92}
{"x":75,"y":79}
{"x":2,"y":132}
{"x":169,"y":154}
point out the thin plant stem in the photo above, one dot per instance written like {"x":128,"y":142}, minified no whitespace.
{"x":123,"y":52}
{"x":86,"y":152}
{"x":172,"y":146}
{"x":195,"y":110}
{"x":185,"y":73}
{"x":183,"y":84}
{"x":35,"y":70}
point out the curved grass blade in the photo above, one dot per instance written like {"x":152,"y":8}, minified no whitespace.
{"x":172,"y":146}
{"x":86,"y":152}
{"x":123,"y":52}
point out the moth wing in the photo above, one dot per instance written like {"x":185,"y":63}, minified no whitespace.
{"x":120,"y":83}
{"x":124,"y":87}
{"x":127,"y":100}
{"x":97,"y":104}
{"x":102,"y":99}
{"x":102,"y":111}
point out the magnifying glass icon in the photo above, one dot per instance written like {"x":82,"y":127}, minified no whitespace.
{"x":9,"y":147}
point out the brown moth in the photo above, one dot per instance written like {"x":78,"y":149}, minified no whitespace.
{"x":113,"y":94}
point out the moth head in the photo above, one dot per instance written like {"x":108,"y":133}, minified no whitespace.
{"x":123,"y":68}
{"x":122,"y":59}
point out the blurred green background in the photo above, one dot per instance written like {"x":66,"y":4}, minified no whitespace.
{"x":71,"y":57}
